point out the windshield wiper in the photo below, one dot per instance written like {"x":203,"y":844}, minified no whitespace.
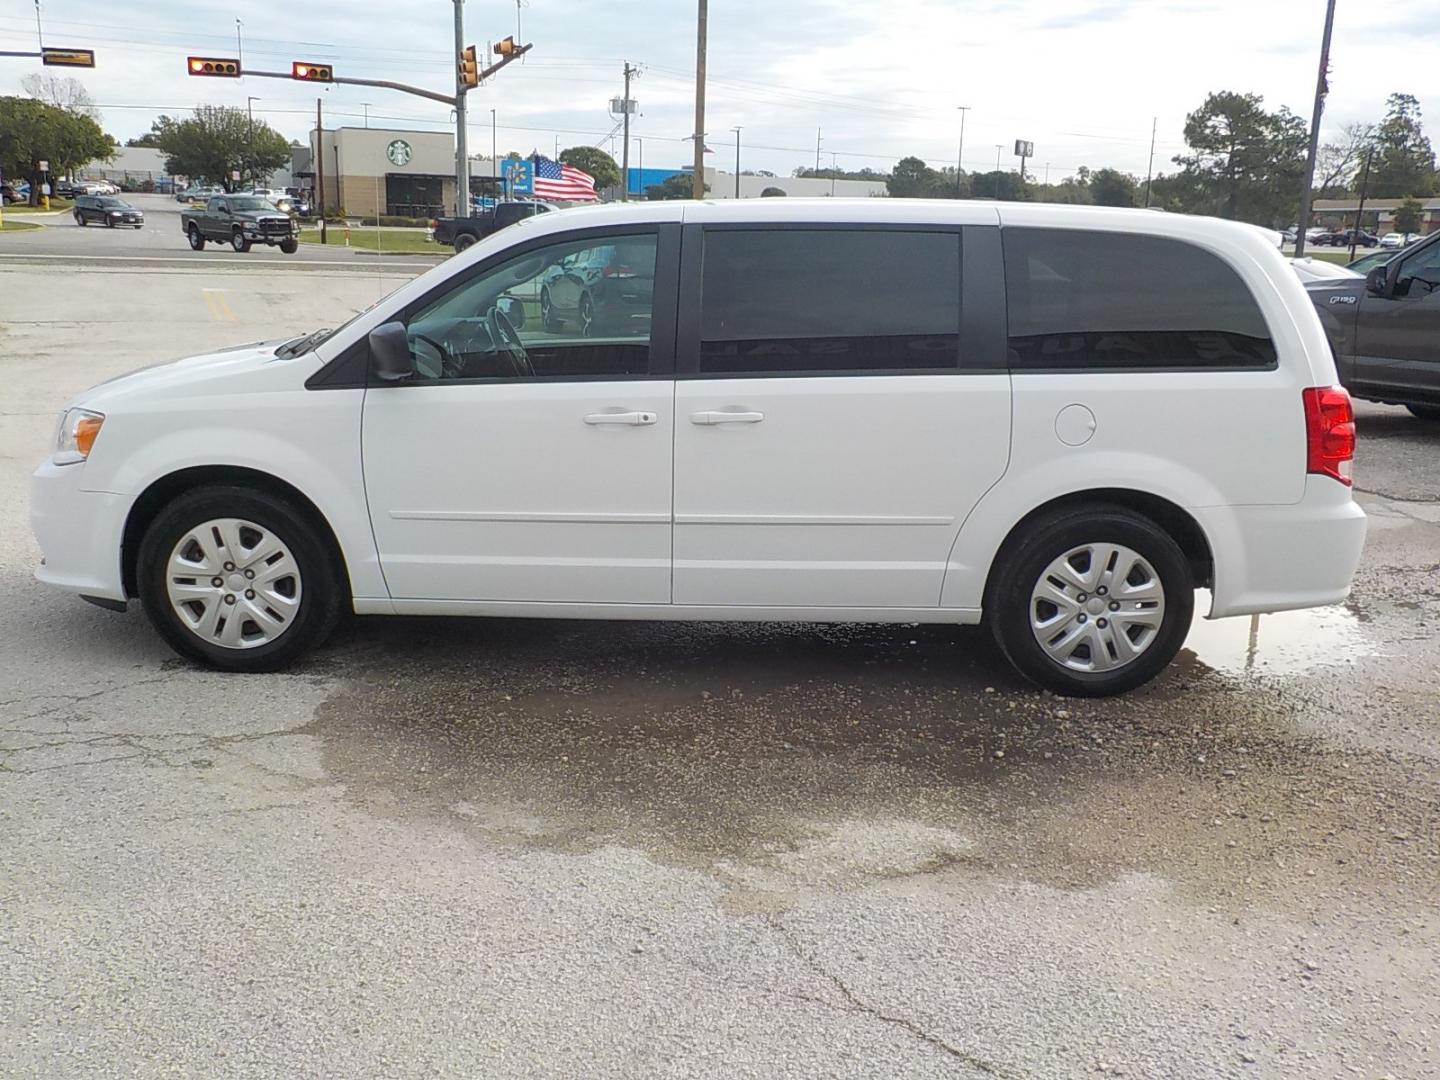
{"x":302,"y":345}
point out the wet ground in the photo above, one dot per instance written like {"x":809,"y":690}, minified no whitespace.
{"x":454,"y":847}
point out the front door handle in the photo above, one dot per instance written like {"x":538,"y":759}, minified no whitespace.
{"x":631,"y":419}
{"x":720,"y":417}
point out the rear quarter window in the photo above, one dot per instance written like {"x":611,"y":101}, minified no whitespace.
{"x":1105,"y":301}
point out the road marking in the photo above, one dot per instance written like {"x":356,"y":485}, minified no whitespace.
{"x":204,"y":263}
{"x":219,"y":308}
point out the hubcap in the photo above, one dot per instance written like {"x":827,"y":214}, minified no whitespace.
{"x":1098,"y":607}
{"x":233,"y":583}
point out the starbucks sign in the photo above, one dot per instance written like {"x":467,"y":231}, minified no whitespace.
{"x":399,"y":152}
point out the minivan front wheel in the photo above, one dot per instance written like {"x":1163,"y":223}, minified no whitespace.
{"x":238,"y":579}
{"x":1091,"y":602}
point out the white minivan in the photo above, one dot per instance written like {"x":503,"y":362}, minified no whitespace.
{"x":1060,"y":421}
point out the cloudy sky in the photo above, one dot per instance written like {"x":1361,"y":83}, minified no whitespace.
{"x":1081,"y":79}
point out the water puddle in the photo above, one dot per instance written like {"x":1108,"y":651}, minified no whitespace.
{"x":1283,"y":643}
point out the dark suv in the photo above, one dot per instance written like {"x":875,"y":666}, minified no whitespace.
{"x":106,"y":210}
{"x":1385,"y":329}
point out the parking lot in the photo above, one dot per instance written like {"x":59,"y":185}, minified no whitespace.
{"x":503,"y":848}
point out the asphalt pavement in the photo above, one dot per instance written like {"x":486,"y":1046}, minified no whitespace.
{"x":562,"y":849}
{"x":160,"y":243}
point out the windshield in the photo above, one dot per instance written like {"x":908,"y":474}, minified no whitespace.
{"x":114,"y":204}
{"x":249,"y":202}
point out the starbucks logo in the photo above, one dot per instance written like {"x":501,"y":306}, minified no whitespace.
{"x":399,"y":152}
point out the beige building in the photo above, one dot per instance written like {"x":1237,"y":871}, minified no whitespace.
{"x":1379,"y":213}
{"x":397,"y":172}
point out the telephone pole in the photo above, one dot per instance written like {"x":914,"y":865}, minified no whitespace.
{"x":697,"y":188}
{"x":462,"y":160}
{"x":737,"y":161}
{"x":817,"y":151}
{"x":320,"y":167}
{"x":1150,"y":169}
{"x":625,"y":151}
{"x":1322,"y":87}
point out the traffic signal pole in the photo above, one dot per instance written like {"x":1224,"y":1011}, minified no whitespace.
{"x":462,"y":161}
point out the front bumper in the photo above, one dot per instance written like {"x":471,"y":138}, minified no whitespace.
{"x":257,"y":235}
{"x":80,"y":532}
{"x":1278,"y":558}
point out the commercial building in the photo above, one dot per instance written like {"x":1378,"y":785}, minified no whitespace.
{"x":1379,"y":213}
{"x":722,"y":184}
{"x":391,"y":171}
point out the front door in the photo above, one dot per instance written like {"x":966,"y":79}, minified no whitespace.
{"x":832,"y":430}
{"x":525,"y":461}
{"x":1398,"y":336}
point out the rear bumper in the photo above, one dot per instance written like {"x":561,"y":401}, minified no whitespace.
{"x":80,"y":532}
{"x":1277,"y":558}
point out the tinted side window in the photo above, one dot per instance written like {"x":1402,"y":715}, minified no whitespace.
{"x":800,"y":300}
{"x":1419,"y":273}
{"x":1080,"y":299}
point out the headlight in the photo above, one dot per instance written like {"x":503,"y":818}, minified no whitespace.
{"x":78,"y":429}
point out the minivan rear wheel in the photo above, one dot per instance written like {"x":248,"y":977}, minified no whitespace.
{"x":238,"y":579}
{"x":1091,"y":601}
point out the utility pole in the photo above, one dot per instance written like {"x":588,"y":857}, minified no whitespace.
{"x":1047,"y":174}
{"x":625,"y":151}
{"x":239,"y":52}
{"x":462,"y":160}
{"x":817,"y":151}
{"x":1359,"y":213}
{"x":697,"y":188}
{"x":834,"y":166}
{"x":250,"y":111}
{"x":737,"y":161}
{"x":998,"y":148}
{"x":1150,"y":169}
{"x":39,"y":34}
{"x":320,"y":167}
{"x":1322,"y":87}
{"x":366,"y":106}
{"x":960,"y":153}
{"x":494,"y":154}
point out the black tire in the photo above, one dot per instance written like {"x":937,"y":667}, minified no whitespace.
{"x":1424,"y":412}
{"x":463,"y":241}
{"x":323,"y":583}
{"x":197,"y":242}
{"x":1050,"y":536}
{"x":238,"y":242}
{"x":289,"y":247}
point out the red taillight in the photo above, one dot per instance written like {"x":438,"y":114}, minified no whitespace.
{"x":1329,"y":432}
{"x":617,"y":271}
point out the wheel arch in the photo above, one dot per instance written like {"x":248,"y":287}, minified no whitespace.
{"x":1174,"y":519}
{"x":166,"y":489}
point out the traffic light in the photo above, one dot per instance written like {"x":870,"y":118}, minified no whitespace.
{"x":216,"y":67}
{"x":469,"y":68}
{"x":311,"y":72}
{"x":67,"y":57}
{"x":506,"y":47}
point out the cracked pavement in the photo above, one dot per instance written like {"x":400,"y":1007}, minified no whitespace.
{"x":554,"y":849}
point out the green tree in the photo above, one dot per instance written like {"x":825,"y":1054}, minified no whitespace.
{"x":1111,"y":187}
{"x":1408,"y":215}
{"x":999,"y":184}
{"x":596,"y":162}
{"x":679,"y":186}
{"x":1404,"y":161}
{"x":773,"y":193}
{"x":1247,"y":162}
{"x":913,"y":179}
{"x":32,"y":131}
{"x":218,"y":140}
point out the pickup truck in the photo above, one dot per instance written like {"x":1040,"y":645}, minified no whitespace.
{"x":240,"y":220}
{"x":1384,"y":329}
{"x":464,"y":231}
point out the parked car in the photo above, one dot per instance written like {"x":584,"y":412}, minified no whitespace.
{"x":240,"y":221}
{"x":1058,"y":420}
{"x":1384,"y":328}
{"x":1399,"y":240}
{"x":462,"y":232}
{"x":200,"y":195}
{"x":603,"y":290}
{"x":67,"y":189}
{"x":1344,"y":238}
{"x":106,"y":210}
{"x":277,"y":197}
{"x":14,"y":193}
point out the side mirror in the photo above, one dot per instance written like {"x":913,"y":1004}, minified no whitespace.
{"x":1377,"y":281}
{"x":513,"y":310}
{"x":390,"y":357}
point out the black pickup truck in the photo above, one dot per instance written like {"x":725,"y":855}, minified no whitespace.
{"x":1385,"y":329}
{"x":240,"y":220}
{"x":464,"y":231}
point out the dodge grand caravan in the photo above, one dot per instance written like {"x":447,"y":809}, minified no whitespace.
{"x":1058,"y":421}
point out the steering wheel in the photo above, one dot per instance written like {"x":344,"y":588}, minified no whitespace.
{"x":507,"y":336}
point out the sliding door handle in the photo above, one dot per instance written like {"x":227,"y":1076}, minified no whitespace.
{"x":710,"y":417}
{"x":630,"y":419}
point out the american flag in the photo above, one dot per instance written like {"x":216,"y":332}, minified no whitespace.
{"x":565,"y":182}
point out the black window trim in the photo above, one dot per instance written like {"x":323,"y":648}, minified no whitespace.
{"x":350,"y":370}
{"x":979,"y":296}
{"x":1158,"y":369}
